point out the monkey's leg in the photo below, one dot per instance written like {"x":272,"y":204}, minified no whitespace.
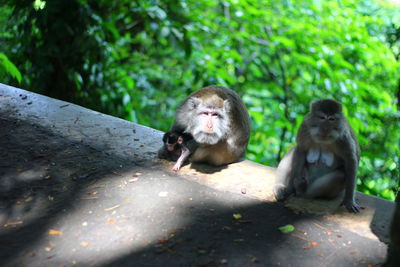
{"x":163,"y":153}
{"x":290,"y":168}
{"x":326,"y":186}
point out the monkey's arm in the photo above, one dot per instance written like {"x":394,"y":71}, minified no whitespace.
{"x":185,"y":154}
{"x":351,"y":164}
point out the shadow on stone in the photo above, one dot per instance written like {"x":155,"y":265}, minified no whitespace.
{"x":207,"y":169}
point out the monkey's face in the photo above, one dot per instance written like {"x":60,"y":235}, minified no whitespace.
{"x":172,"y":141}
{"x":210,"y":124}
{"x":325,"y":128}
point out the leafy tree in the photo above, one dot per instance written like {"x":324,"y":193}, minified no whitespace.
{"x":139,"y":59}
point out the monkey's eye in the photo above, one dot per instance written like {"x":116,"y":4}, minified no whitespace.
{"x":215,"y":115}
{"x":206,"y":113}
{"x":322,"y":117}
{"x":331,"y":118}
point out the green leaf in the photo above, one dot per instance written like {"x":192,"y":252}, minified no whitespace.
{"x":286,"y":228}
{"x":9,"y":67}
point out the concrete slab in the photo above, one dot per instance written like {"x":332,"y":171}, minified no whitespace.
{"x":81,"y":188}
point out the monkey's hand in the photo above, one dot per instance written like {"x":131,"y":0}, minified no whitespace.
{"x":350,"y":205}
{"x":281,"y":192}
{"x":176,"y":167}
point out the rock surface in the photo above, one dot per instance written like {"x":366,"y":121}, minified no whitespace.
{"x":81,"y":188}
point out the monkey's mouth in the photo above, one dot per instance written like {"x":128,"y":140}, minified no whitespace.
{"x":206,"y":138}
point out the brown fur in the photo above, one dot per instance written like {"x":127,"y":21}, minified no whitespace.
{"x":233,"y":145}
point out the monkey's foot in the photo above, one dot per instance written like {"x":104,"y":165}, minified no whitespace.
{"x":351,"y":206}
{"x":280,"y":192}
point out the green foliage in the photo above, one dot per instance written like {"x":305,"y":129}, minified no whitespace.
{"x":8,"y":68}
{"x":139,"y":59}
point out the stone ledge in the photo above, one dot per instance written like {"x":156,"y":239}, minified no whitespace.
{"x":126,"y":139}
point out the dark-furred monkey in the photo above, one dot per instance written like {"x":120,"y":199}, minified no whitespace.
{"x":177,"y":147}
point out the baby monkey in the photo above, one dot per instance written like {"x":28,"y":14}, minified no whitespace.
{"x":325,"y":159}
{"x":177,"y":147}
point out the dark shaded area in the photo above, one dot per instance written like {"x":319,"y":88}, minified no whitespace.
{"x":393,"y":258}
{"x":204,"y":168}
{"x":42,"y":175}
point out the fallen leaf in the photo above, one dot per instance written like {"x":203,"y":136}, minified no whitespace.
{"x":286,"y":228}
{"x":111,"y":221}
{"x":201,"y":251}
{"x":237,"y":216}
{"x":314,"y":243}
{"x":89,"y":198}
{"x":54,"y":232}
{"x":300,"y":237}
{"x":19,"y":203}
{"x":10,"y":223}
{"x":321,"y":255}
{"x":99,"y":186}
{"x":162,"y":240}
{"x":84,"y":244}
{"x":301,"y":231}
{"x":329,"y":233}
{"x":112,"y":208}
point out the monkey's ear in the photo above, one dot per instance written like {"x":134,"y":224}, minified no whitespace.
{"x":193,"y":102}
{"x":164,"y":139}
{"x":180,"y":140}
{"x":227,"y":105}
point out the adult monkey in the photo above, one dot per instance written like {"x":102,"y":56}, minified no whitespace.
{"x":218,"y":121}
{"x":325,"y":160}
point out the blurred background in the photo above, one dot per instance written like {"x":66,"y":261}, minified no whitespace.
{"x":138,"y":59}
